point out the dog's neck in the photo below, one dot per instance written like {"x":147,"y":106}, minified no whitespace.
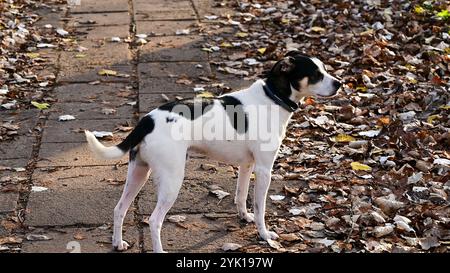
{"x":282,"y":93}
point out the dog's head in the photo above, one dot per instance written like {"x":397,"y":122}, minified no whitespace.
{"x":297,"y":76}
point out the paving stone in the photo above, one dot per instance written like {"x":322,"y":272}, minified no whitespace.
{"x":73,"y":131}
{"x":19,"y":147}
{"x":10,"y":183}
{"x":100,"y":6}
{"x":209,"y":7}
{"x":26,"y":119}
{"x":163,"y":10}
{"x":160,"y":28}
{"x":46,"y":71}
{"x":181,"y":14}
{"x":199,"y":234}
{"x":8,"y":201}
{"x":50,"y":16}
{"x":163,"y":86}
{"x":81,"y":195}
{"x":105,"y":33}
{"x":14,"y":163}
{"x":158,"y":5}
{"x":172,"y":70}
{"x":80,"y":240}
{"x":99,"y":19}
{"x":98,"y":56}
{"x":3,"y":231}
{"x":148,"y":102}
{"x":88,"y":93}
{"x":72,"y":74}
{"x":93,"y":110}
{"x":72,"y":154}
{"x":174,"y":49}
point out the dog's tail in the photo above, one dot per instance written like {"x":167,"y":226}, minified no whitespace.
{"x":144,"y":127}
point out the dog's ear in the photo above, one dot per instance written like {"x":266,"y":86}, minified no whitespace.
{"x":287,"y":64}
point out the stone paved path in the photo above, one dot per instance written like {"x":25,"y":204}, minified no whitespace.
{"x":81,"y":191}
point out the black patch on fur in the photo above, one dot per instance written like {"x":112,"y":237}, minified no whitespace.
{"x":303,"y":67}
{"x":190,"y":108}
{"x":144,"y":127}
{"x":171,"y":119}
{"x":133,"y":154}
{"x":235,"y":112}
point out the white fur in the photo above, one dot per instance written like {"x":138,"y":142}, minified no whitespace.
{"x":100,"y":150}
{"x":324,"y":87}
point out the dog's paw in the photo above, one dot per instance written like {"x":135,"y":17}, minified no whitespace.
{"x":122,"y":246}
{"x":248,"y":217}
{"x":269,"y":235}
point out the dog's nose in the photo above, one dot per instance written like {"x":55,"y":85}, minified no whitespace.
{"x":337,"y":84}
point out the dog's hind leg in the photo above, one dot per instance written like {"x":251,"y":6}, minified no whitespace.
{"x":168,"y":178}
{"x":138,"y":173}
{"x":240,"y":199}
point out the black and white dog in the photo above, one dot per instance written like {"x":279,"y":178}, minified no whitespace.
{"x":226,"y":128}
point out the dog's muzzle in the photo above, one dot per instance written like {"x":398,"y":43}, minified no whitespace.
{"x":336,"y":85}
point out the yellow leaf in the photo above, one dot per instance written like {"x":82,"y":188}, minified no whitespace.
{"x":318,"y":29}
{"x":285,"y":21}
{"x":33,"y":55}
{"x":205,"y":94}
{"x":207,"y":49}
{"x":107,"y":72}
{"x":241,"y":34}
{"x":445,"y":107}
{"x":419,"y":10}
{"x":225,"y":44}
{"x":343,"y":138}
{"x":361,"y":88}
{"x":356,"y":166}
{"x":262,"y":50}
{"x":432,"y":118}
{"x":367,"y":32}
{"x":410,"y":67}
{"x":40,"y":106}
{"x":80,"y":55}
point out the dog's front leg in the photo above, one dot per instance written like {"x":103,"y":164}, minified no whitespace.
{"x":240,"y":199}
{"x":263,"y":176}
